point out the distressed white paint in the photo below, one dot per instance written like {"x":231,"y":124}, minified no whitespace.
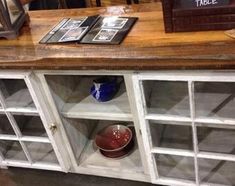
{"x":88,"y":161}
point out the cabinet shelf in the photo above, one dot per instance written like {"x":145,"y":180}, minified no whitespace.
{"x":116,"y":109}
{"x":81,"y":134}
{"x":92,"y":158}
{"x":71,"y":94}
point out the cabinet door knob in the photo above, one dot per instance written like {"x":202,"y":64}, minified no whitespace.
{"x":53,"y":128}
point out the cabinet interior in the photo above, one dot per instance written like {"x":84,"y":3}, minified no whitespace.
{"x":83,"y":116}
{"x":72,"y":97}
{"x":81,"y":134}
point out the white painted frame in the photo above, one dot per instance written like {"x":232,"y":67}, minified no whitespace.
{"x":46,"y":109}
{"x":79,"y":169}
{"x":29,"y":80}
{"x":189,"y":77}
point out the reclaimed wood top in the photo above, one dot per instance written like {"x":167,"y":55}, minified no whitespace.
{"x":147,"y":46}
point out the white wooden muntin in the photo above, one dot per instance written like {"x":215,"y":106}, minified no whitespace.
{"x":85,"y":72}
{"x":194,"y":129}
{"x":174,"y":182}
{"x":134,"y":111}
{"x":138,"y":95}
{"x":36,"y":165}
{"x":25,"y":138}
{"x":216,"y":156}
{"x":211,"y":184}
{"x":169,"y":151}
{"x":203,"y":76}
{"x":165,"y":117}
{"x":23,"y":111}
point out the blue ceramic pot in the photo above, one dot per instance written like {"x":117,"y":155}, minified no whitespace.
{"x":104,"y":88}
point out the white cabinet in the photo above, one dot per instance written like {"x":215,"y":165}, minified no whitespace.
{"x":184,"y":124}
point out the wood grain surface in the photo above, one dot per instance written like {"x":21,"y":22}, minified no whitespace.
{"x":147,"y":46}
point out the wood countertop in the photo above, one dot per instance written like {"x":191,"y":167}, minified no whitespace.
{"x":147,"y":46}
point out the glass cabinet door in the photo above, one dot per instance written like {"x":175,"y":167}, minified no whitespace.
{"x":189,"y":122}
{"x":24,"y":140}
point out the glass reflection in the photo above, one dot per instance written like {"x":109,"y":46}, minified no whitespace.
{"x":14,"y":10}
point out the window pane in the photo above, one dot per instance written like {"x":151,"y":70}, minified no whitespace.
{"x":165,"y":97}
{"x":171,"y":135}
{"x":5,"y":126}
{"x":216,"y":140}
{"x":175,"y":166}
{"x":16,"y":93}
{"x":12,"y":150}
{"x":30,"y":125}
{"x":217,"y":171}
{"x":41,"y":152}
{"x":215,"y":99}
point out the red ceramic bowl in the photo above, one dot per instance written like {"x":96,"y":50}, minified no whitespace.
{"x":120,"y":153}
{"x":113,"y":140}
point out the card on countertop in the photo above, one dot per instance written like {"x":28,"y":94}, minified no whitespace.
{"x":109,"y":30}
{"x":73,"y":34}
{"x":114,"y":22}
{"x":105,"y":35}
{"x":70,"y":29}
{"x":71,"y":24}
